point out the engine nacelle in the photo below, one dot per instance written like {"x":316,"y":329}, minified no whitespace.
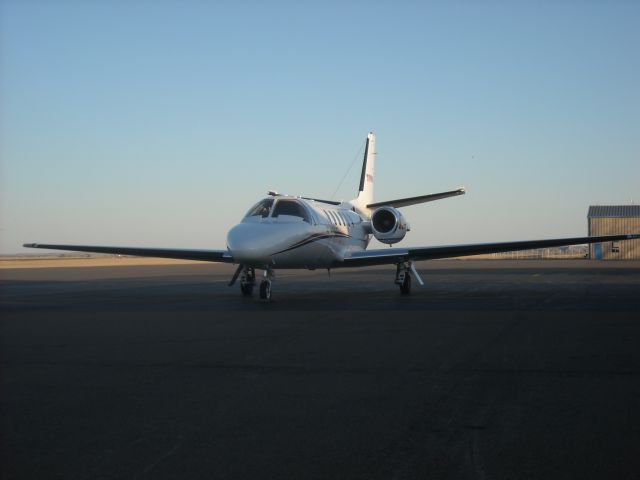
{"x":388,"y":225}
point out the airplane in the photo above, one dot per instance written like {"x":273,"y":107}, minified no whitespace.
{"x":295,"y":232}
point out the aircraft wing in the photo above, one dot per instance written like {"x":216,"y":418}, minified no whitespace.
{"x":395,"y":255}
{"x":177,"y":253}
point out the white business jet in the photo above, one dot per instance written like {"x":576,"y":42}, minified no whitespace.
{"x":283,"y":231}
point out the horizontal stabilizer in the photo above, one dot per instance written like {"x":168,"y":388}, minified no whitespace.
{"x":405,"y":202}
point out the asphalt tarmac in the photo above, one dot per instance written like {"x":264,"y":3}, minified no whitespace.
{"x":493,"y":370}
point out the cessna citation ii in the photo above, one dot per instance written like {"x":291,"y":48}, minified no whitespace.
{"x":287,"y":232}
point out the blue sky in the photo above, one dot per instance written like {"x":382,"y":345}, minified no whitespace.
{"x":160,"y":123}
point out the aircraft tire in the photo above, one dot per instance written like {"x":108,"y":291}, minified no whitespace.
{"x":405,"y":288}
{"x":265,"y":290}
{"x":247,"y":289}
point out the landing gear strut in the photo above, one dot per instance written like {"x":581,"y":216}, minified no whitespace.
{"x":247,"y":281}
{"x":265,"y":285}
{"x":404,"y":271}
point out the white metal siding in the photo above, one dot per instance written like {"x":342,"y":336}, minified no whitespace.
{"x":629,"y":249}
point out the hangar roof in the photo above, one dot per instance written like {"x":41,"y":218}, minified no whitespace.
{"x":614,"y":211}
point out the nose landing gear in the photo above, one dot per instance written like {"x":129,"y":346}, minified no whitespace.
{"x":247,"y":281}
{"x":265,"y":290}
{"x":265,"y":285}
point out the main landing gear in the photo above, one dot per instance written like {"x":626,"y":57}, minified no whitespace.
{"x":404,"y":272}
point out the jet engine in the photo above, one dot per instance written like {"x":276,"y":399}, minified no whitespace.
{"x":388,"y":225}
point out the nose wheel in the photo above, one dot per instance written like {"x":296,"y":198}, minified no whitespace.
{"x":265,"y":290}
{"x":265,"y":285}
{"x":247,"y":281}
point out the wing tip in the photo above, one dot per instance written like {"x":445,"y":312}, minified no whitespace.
{"x":30,"y":245}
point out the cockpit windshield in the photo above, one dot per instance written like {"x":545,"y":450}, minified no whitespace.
{"x":292,"y":208}
{"x":286,"y":207}
{"x":261,"y":209}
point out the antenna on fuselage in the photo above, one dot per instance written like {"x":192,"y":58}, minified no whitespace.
{"x":348,"y":170}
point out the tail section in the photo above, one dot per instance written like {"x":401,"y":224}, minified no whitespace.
{"x":365,"y":192}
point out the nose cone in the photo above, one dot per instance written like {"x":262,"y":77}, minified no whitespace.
{"x":255,"y":244}
{"x":241,"y":241}
{"x":252,"y":243}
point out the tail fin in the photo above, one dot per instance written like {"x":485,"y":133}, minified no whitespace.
{"x":365,"y":192}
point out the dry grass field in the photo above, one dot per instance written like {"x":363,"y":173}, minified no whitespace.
{"x":67,"y":261}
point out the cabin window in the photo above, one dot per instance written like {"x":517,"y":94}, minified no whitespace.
{"x":261,"y":209}
{"x":291,"y":208}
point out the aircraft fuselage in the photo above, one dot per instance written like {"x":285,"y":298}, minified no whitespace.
{"x":311,"y":235}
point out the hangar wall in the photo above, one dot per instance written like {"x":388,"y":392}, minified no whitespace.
{"x":610,"y":220}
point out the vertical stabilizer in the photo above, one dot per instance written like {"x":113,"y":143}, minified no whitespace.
{"x":365,"y":191}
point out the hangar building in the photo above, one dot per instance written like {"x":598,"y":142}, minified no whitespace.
{"x":611,"y":220}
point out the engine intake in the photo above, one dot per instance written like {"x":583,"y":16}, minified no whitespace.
{"x":388,"y":225}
